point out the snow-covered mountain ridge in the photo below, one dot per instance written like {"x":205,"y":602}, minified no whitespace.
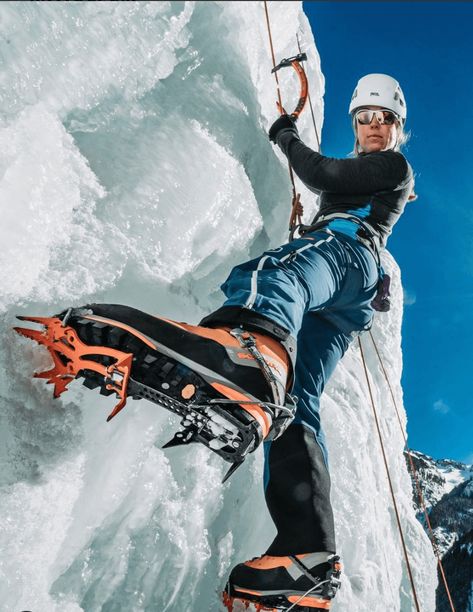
{"x":447,"y":489}
{"x":440,"y":476}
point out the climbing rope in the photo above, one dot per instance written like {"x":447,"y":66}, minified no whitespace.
{"x":296,"y":206}
{"x":416,"y":479}
{"x":295,"y":222}
{"x":398,"y":519}
{"x":319,"y":149}
{"x":295,"y":211}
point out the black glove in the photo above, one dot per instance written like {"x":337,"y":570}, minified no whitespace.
{"x":282,"y":123}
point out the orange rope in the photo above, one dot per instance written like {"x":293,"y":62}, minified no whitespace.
{"x":398,"y":519}
{"x":272,"y":52}
{"x":295,"y":215}
{"x":416,"y":480}
{"x":311,"y":107}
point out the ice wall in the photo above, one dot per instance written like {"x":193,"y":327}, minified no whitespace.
{"x":135,"y":167}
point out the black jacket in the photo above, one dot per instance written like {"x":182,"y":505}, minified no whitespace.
{"x":372,"y":186}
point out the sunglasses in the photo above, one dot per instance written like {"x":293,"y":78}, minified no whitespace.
{"x":365,"y":116}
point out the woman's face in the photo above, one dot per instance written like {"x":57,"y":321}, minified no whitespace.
{"x":376,"y":136}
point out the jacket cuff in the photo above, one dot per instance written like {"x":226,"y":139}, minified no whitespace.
{"x":285,"y":137}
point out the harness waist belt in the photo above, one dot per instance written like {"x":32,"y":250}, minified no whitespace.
{"x":365,"y":233}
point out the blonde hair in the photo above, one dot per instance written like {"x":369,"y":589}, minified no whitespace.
{"x":402,"y":138}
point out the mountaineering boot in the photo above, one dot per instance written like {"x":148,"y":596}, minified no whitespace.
{"x":228,"y":385}
{"x":297,"y":582}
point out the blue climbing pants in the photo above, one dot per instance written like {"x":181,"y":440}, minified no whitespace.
{"x":319,"y":288}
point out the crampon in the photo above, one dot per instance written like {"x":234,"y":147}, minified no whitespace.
{"x":273,"y":586}
{"x":130,"y":360}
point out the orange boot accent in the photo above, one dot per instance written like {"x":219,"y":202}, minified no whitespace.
{"x":272,"y":350}
{"x":267,"y":562}
{"x":311,"y":602}
{"x":256,"y":411}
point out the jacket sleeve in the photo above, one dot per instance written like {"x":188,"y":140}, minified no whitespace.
{"x":365,"y":174}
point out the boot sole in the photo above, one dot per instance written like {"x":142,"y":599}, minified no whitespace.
{"x":166,"y":382}
{"x":121,"y":350}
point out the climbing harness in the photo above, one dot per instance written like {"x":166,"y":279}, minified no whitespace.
{"x":367,"y":236}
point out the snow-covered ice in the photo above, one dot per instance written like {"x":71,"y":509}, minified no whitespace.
{"x":135,"y":168}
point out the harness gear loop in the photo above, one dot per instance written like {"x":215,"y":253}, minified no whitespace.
{"x":391,"y":488}
{"x":415,"y":477}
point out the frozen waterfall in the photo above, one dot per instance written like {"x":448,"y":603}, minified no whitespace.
{"x":136,"y":169}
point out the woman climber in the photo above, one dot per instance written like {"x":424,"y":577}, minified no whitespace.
{"x":289,"y":317}
{"x":319,"y":290}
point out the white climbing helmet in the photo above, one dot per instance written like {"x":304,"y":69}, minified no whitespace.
{"x":380,"y":90}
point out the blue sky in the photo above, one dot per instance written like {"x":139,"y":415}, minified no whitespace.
{"x":428,"y":48}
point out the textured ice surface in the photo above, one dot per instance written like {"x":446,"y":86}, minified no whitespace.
{"x":135,"y":168}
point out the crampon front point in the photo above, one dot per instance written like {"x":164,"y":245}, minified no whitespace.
{"x":234,"y":604}
{"x":123,"y":358}
{"x":237,"y":604}
{"x":71,"y":356}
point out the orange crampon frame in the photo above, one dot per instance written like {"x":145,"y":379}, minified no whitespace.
{"x":71,"y":356}
{"x":229,"y":601}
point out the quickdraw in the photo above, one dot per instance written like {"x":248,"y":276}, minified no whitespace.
{"x":295,"y":62}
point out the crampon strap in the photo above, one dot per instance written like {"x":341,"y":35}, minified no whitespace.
{"x":71,"y":356}
{"x":283,"y":414}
